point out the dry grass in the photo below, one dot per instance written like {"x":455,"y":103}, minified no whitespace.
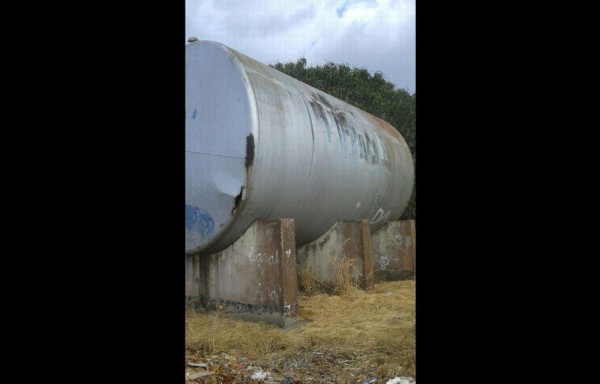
{"x":344,"y":284}
{"x":340,"y":282}
{"x":309,"y":284}
{"x":374,"y":331}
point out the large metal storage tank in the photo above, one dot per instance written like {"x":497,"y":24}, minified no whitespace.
{"x":262,"y":145}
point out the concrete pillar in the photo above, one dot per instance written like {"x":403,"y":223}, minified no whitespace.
{"x":255,"y":277}
{"x":394,"y":248}
{"x":192,"y":279}
{"x":346,"y":242}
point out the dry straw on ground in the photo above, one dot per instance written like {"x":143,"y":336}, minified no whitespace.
{"x":340,"y":282}
{"x":344,"y":283}
{"x":371,"y":331}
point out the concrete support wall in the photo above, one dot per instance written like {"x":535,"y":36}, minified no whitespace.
{"x":192,"y":281}
{"x":255,"y":277}
{"x":322,"y":258}
{"x":394,"y":248}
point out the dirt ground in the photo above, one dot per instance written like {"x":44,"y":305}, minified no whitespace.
{"x":356,"y":337}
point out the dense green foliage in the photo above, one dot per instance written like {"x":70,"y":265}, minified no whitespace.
{"x":371,"y":93}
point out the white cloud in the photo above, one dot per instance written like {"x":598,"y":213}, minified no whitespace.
{"x":376,"y":34}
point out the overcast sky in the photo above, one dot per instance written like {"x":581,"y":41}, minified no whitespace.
{"x":376,"y":34}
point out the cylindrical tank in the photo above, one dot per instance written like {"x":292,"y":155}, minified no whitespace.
{"x":261,"y":145}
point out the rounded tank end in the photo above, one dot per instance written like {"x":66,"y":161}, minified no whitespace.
{"x":220,"y":129}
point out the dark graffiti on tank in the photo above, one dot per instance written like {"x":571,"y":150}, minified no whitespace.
{"x":199,"y":219}
{"x":367,"y":148}
{"x":321,"y":115}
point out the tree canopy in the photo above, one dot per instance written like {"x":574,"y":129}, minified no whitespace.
{"x":371,"y":93}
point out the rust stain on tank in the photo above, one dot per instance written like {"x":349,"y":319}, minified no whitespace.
{"x":387,"y":127}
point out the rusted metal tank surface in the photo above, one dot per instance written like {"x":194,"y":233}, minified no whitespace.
{"x":261,"y":145}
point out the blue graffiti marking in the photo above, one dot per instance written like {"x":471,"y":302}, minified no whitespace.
{"x":197,"y":217}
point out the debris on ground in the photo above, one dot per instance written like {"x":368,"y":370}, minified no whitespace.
{"x":361,"y":337}
{"x":401,"y":380}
